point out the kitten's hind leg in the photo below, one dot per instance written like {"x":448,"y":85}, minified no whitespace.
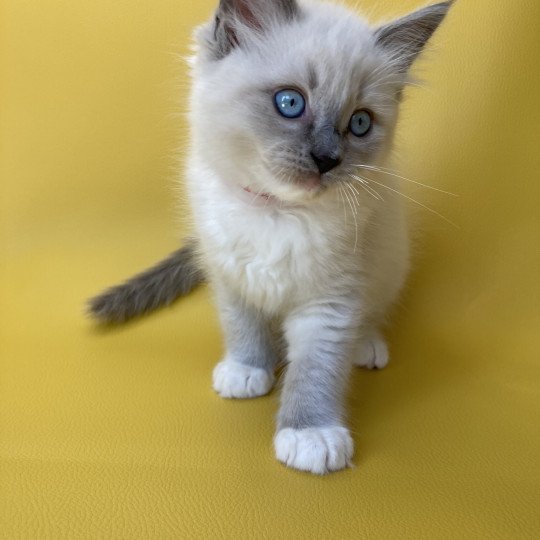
{"x":247,"y":370}
{"x":372,"y":351}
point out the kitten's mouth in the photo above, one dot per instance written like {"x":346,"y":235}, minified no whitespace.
{"x":310,"y":182}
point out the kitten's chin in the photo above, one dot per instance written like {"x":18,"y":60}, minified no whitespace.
{"x":310,"y":183}
{"x":300,"y":189}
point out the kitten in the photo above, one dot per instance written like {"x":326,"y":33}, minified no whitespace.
{"x":291,"y":105}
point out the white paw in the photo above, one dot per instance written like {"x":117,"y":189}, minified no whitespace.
{"x":234,"y":380}
{"x":372,"y":353}
{"x":317,"y":450}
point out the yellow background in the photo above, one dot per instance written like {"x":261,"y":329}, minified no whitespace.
{"x":118,"y":434}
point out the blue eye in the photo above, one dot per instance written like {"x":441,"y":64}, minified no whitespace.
{"x":360,"y":123}
{"x":290,"y":103}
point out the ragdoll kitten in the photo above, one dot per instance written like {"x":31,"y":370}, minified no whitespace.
{"x":292,"y":106}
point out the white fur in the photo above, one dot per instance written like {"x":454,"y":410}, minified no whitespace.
{"x":280,"y":255}
{"x":278,"y":258}
{"x":295,"y":249}
{"x":234,"y":380}
{"x":372,"y":352}
{"x":316,"y":450}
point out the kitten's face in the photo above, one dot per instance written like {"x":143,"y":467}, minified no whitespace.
{"x":294,"y":110}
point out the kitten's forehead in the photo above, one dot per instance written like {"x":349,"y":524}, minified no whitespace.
{"x":328,"y":52}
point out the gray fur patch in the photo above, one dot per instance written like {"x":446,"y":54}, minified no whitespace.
{"x":315,"y":380}
{"x":405,"y":38}
{"x":247,"y":333}
{"x":158,"y":286}
{"x":251,"y":14}
{"x":313,"y":393}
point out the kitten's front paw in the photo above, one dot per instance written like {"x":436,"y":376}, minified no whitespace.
{"x":372,"y":353}
{"x":234,"y":380}
{"x":317,"y":450}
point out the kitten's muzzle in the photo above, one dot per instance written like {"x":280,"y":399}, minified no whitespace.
{"x":325,"y":162}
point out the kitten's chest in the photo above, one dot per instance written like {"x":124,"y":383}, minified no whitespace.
{"x":273,"y":260}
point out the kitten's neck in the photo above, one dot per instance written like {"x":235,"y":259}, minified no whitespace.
{"x":265,"y":196}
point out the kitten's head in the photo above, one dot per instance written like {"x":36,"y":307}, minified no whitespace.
{"x":288,"y":97}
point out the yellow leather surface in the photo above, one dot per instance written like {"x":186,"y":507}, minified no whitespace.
{"x":118,"y":433}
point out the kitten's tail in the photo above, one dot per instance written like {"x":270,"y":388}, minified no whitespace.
{"x":158,"y":286}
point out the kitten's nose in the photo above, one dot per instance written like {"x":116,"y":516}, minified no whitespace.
{"x":325,"y":163}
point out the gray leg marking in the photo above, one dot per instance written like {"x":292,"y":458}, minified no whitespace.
{"x":311,"y":433}
{"x":248,"y":367}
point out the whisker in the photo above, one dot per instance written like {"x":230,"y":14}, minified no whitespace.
{"x":357,"y":193}
{"x":348,"y":200}
{"x":416,"y":202}
{"x":369,"y":190}
{"x":340,"y":191}
{"x":353,"y":197}
{"x":392,"y":173}
{"x":363,"y":183}
{"x":354,"y":217}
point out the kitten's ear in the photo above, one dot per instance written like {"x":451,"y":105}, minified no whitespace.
{"x":405,"y":38}
{"x":254,"y":14}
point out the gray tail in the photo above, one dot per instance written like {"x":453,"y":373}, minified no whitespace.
{"x":158,"y":286}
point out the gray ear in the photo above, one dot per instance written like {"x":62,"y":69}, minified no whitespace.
{"x":256,"y":14}
{"x":404,"y":38}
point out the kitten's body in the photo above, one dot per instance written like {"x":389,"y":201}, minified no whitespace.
{"x":318,"y":251}
{"x":277,"y":257}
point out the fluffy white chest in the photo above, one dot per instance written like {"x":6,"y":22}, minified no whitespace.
{"x":273,"y":258}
